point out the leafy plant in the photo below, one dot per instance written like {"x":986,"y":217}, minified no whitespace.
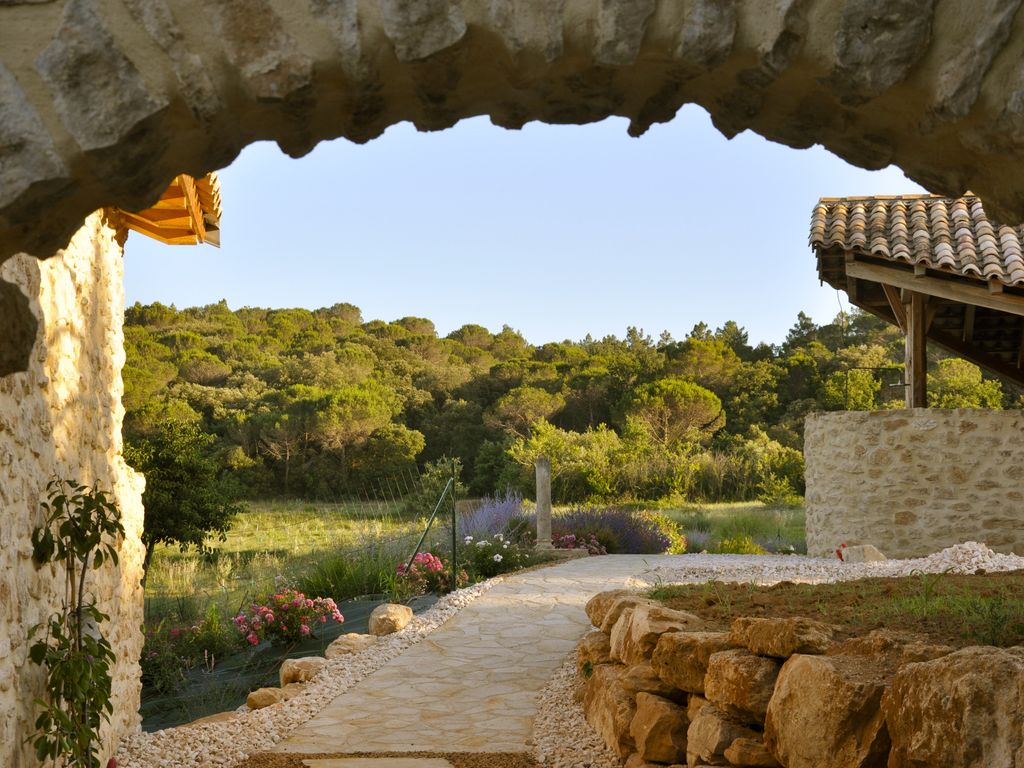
{"x":739,"y":545}
{"x":81,"y":532}
{"x":288,"y":616}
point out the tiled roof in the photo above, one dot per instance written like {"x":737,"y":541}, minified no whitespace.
{"x":954,"y":236}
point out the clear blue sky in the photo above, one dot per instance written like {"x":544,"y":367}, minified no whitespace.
{"x":557,"y":231}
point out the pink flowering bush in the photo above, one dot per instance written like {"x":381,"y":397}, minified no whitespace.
{"x":428,"y":573}
{"x":572,"y":541}
{"x":287,"y":616}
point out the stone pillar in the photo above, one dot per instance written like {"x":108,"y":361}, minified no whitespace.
{"x":544,"y":504}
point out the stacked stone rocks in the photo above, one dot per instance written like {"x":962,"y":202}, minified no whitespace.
{"x":660,"y":689}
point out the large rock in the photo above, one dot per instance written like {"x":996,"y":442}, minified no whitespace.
{"x":780,"y":637}
{"x":264,"y":697}
{"x":862,"y":553}
{"x":964,"y":709}
{"x":741,"y":684}
{"x":627,"y":602}
{"x":641,"y":678}
{"x":825,"y":711}
{"x":646,"y":624}
{"x":301,"y":670}
{"x":609,"y":708}
{"x":598,"y":606}
{"x":750,"y":753}
{"x":595,"y":648}
{"x":893,"y":647}
{"x":710,"y":733}
{"x":681,"y":658}
{"x":618,"y":636}
{"x":389,"y":618}
{"x":350,"y":642}
{"x":659,"y":729}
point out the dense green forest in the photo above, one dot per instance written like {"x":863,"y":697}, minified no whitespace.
{"x":320,"y":404}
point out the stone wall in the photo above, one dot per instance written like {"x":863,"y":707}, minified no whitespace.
{"x":913,"y":482}
{"x":104,"y":102}
{"x":63,"y":417}
{"x":661,"y":688}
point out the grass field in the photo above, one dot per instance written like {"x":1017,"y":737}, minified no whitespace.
{"x":706,"y":526}
{"x":269,"y":543}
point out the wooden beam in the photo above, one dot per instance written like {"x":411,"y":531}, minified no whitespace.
{"x":954,"y":345}
{"x":920,"y":270}
{"x":969,"y":311}
{"x":916,"y":356}
{"x":896,"y":305}
{"x":937,"y":286}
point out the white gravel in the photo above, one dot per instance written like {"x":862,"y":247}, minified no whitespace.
{"x":226,"y":744}
{"x":969,"y":557}
{"x":562,"y":737}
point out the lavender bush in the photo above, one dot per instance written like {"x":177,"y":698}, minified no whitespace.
{"x":501,"y":514}
{"x":621,"y":531}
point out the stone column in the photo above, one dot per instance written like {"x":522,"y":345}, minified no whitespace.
{"x":544,"y":504}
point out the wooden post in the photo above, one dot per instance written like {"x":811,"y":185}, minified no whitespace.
{"x":916,"y":356}
{"x":544,"y":504}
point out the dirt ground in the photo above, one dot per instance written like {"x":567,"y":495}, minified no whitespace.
{"x":457,"y":759}
{"x":985,"y":609}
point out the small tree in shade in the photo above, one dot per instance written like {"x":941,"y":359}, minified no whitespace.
{"x":186,"y":499}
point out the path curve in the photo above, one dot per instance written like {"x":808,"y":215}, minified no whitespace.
{"x":472,"y":686}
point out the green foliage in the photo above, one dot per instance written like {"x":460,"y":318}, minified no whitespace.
{"x":81,"y":531}
{"x":186,"y":499}
{"x":435,"y":477}
{"x":959,"y":384}
{"x":739,"y":545}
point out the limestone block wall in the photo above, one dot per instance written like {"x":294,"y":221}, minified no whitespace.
{"x":63,"y":417}
{"x":914,"y":481}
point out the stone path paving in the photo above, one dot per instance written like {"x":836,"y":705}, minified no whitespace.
{"x":472,"y":685}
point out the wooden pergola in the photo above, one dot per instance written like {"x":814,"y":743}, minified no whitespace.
{"x":934,"y":266}
{"x":188,"y":213}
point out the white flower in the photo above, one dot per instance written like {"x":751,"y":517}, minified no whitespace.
{"x":481,"y":543}
{"x":499,"y":537}
{"x":468,"y":540}
{"x":505,"y":546}
{"x":497,"y":558}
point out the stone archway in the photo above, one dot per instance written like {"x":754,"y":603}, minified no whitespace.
{"x":103,"y":103}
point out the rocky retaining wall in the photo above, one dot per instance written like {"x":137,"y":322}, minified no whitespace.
{"x":914,"y":481}
{"x":63,"y":417}
{"x":662,"y":690}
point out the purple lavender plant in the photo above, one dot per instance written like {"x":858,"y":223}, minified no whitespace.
{"x":498,"y":514}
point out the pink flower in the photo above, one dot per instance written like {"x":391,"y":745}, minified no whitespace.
{"x":323,"y":619}
{"x":304,"y":629}
{"x":253,"y":638}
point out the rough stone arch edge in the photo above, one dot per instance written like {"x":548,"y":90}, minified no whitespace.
{"x":103,"y":103}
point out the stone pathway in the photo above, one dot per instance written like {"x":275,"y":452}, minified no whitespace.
{"x":472,"y":685}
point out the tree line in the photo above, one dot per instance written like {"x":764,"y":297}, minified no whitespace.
{"x":322,"y":404}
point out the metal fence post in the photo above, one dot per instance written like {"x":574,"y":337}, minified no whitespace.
{"x":455,"y":537}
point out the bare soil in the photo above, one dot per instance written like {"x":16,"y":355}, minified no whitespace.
{"x":984,"y":609}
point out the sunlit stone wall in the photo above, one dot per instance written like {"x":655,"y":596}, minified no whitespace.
{"x":913,"y":482}
{"x":63,"y":417}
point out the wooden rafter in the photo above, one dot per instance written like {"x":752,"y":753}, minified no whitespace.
{"x":188,"y":213}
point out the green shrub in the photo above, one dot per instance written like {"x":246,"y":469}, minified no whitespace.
{"x":738,"y":545}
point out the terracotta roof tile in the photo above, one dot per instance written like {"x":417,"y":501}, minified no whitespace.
{"x":953,"y":235}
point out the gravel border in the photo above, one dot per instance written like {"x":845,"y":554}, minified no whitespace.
{"x":227,"y":743}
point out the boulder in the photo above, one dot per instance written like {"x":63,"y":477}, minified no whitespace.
{"x":895,"y":648}
{"x":597,"y":607}
{"x":220,"y":717}
{"x":780,"y":637}
{"x":693,"y":705}
{"x":741,"y":684}
{"x":641,"y":678}
{"x":619,"y":634}
{"x":628,"y":601}
{"x":301,"y":670}
{"x":750,"y":753}
{"x":862,"y":553}
{"x":710,"y":733}
{"x":636,"y":761}
{"x":350,"y":642}
{"x":825,"y":711}
{"x":609,"y":708}
{"x":681,"y":658}
{"x":647,"y":623}
{"x":389,"y":618}
{"x":964,"y":709}
{"x":264,"y":697}
{"x":659,"y":729}
{"x":595,"y":648}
